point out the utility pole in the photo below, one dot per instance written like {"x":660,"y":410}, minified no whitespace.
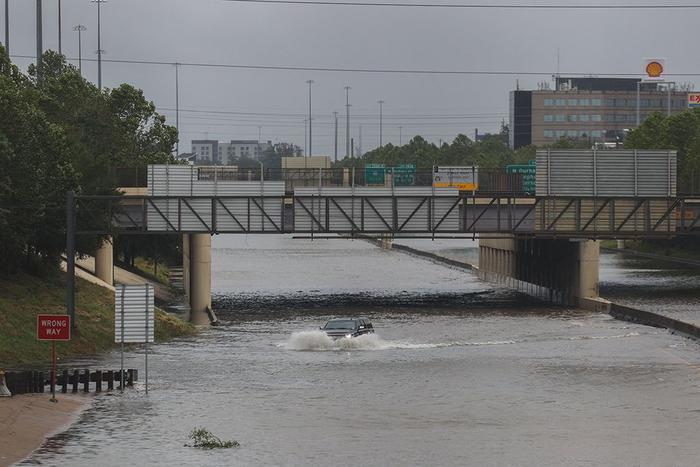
{"x":7,"y":26}
{"x":177,"y":107}
{"x":80,"y":28}
{"x":99,"y":44}
{"x":359,"y":144}
{"x":335,"y":151}
{"x":305,"y":146}
{"x":400,"y":136}
{"x":39,"y":45}
{"x":60,"y":49}
{"x":310,"y":82}
{"x":381,"y":105}
{"x":347,"y":121}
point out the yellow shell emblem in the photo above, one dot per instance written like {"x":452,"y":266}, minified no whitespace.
{"x":654,"y":69}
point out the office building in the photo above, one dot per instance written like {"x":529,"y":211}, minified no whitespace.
{"x":595,"y":110}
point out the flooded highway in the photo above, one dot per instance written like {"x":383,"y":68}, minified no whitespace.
{"x":459,"y":372}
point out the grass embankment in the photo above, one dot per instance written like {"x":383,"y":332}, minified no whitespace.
{"x":146,"y":268}
{"x":23,"y":296}
{"x":670,"y":248}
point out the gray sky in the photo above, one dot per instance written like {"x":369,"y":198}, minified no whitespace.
{"x":216,"y":31}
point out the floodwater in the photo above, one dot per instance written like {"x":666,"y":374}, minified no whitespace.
{"x":663,"y":287}
{"x":460,"y":372}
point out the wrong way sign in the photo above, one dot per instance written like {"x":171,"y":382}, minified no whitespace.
{"x":53,"y":327}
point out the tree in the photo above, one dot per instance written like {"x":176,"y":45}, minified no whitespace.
{"x":680,"y":132}
{"x":61,"y":133}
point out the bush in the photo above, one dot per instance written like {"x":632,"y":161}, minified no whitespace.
{"x":204,"y":439}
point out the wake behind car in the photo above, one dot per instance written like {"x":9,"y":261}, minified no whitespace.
{"x":347,"y":327}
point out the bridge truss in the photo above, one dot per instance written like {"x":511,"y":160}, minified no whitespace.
{"x":406,"y":215}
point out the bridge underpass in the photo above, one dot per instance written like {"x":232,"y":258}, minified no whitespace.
{"x":546,"y":240}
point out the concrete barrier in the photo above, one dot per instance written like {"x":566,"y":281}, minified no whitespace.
{"x":649,"y":318}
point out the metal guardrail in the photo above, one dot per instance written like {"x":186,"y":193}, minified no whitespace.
{"x":489,"y":181}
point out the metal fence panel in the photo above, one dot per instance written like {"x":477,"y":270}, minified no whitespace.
{"x":134,"y":312}
{"x":621,"y":173}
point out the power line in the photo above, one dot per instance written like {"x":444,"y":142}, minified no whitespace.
{"x":474,"y":5}
{"x":406,"y":71}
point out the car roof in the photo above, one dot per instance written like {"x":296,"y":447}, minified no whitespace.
{"x":347,"y":319}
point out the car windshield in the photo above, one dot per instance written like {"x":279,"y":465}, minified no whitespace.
{"x":340,"y":324}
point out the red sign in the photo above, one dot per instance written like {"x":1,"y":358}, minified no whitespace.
{"x":53,"y":327}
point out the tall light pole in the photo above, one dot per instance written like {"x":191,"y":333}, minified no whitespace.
{"x":381,"y":105}
{"x":99,"y":44}
{"x":305,"y":146}
{"x":7,"y":26}
{"x":80,"y":28}
{"x":39,"y":45}
{"x":400,"y":136}
{"x":60,"y":49}
{"x":310,"y":82}
{"x":347,"y":121}
{"x":359,"y":144}
{"x":177,"y":107}
{"x":335,"y":151}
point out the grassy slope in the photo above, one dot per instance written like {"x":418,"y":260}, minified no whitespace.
{"x":22,"y":297}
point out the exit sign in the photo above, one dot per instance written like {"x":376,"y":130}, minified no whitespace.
{"x":694,"y":99}
{"x":53,"y":327}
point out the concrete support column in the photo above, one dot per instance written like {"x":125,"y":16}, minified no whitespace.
{"x":200,"y":277}
{"x":104,"y":261}
{"x":386,"y":241}
{"x":588,"y":265}
{"x":186,"y":265}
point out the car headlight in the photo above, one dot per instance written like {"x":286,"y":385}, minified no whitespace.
{"x":348,"y":336}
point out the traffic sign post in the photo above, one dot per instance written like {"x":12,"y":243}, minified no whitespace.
{"x":134,"y":319}
{"x":53,"y":328}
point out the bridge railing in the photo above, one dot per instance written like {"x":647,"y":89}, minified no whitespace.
{"x":488,"y":181}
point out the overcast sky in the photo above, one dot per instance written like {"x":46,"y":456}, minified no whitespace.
{"x":217,"y":31}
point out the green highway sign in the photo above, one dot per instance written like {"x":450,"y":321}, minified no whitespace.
{"x":374,"y":174}
{"x":528,"y":173}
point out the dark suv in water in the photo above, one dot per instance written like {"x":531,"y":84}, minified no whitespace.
{"x":347,"y":327}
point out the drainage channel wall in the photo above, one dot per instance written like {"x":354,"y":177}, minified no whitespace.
{"x":649,"y":318}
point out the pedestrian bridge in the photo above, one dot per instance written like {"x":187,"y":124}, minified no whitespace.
{"x":579,"y":194}
{"x":546,"y":237}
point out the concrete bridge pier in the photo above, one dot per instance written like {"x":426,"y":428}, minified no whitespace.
{"x":561,"y":271}
{"x":199,"y":277}
{"x":386,"y":241}
{"x":186,"y":265}
{"x":104,"y":261}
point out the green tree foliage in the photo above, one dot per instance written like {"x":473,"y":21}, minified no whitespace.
{"x":680,"y":132}
{"x":491,"y":152}
{"x":61,"y":133}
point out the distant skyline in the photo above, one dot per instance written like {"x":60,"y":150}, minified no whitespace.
{"x":225,"y":104}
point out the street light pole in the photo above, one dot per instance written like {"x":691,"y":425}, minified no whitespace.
{"x":400,"y":136}
{"x":7,"y":26}
{"x":347,"y":121}
{"x":39,"y":45}
{"x":335,"y":151}
{"x":638,"y":85}
{"x":80,"y":28}
{"x":310,"y":82}
{"x":381,"y":105}
{"x":177,"y":108}
{"x":99,"y":44}
{"x":60,"y":49}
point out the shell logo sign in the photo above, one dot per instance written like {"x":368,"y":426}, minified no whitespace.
{"x":654,"y":69}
